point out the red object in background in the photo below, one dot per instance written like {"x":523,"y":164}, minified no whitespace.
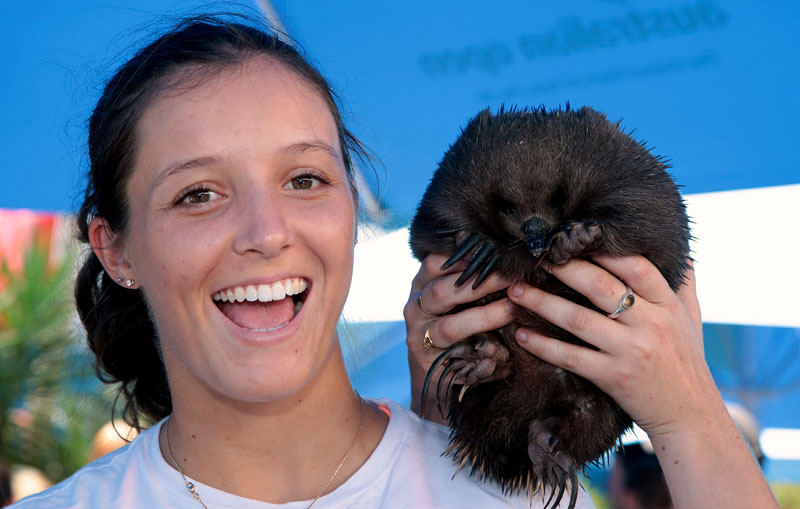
{"x":20,"y":229}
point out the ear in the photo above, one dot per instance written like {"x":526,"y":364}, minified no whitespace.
{"x":110,"y":250}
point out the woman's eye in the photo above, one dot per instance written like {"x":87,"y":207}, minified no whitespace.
{"x":304,"y":182}
{"x":196,"y":196}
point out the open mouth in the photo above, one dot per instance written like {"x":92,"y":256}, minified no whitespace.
{"x":264,"y":307}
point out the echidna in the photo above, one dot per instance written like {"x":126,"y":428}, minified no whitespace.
{"x":517,"y":191}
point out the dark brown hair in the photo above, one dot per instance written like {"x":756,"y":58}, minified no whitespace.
{"x":119,"y":329}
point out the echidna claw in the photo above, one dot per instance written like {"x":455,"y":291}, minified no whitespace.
{"x":462,"y":250}
{"x":573,"y":486}
{"x":463,"y":391}
{"x":484,"y":255}
{"x":443,"y":357}
{"x":450,"y":386}
{"x":442,"y":377}
{"x":552,"y":492}
{"x":562,"y":483}
{"x":487,"y":269}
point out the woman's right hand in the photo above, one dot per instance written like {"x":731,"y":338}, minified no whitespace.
{"x":433,"y":294}
{"x":651,"y":353}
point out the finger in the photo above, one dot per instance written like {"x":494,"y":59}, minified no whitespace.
{"x":431,"y":269}
{"x":451,"y":329}
{"x":640,"y":275}
{"x":442,"y":295}
{"x":576,"y":359}
{"x":604,"y":289}
{"x":587,"y":324}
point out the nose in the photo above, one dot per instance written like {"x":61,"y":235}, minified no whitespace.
{"x":535,"y":230}
{"x":262,"y":226}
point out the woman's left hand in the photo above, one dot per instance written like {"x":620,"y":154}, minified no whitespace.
{"x":433,"y":295}
{"x":650,"y":358}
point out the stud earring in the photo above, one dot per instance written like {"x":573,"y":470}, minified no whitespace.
{"x":128,"y":282}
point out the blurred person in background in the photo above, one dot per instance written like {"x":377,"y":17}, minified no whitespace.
{"x":636,"y":480}
{"x":26,"y":480}
{"x":749,"y":427}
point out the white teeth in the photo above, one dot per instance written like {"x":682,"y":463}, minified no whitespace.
{"x":263,"y":293}
{"x":281,"y":326}
{"x":278,"y":291}
{"x":295,"y":286}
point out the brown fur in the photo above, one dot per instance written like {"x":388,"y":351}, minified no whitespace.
{"x":535,"y":187}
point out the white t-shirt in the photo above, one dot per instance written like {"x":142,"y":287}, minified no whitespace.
{"x":406,"y":470}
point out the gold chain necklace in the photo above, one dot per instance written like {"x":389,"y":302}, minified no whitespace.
{"x":190,"y":485}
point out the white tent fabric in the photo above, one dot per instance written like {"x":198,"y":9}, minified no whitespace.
{"x":746,"y":247}
{"x":745,"y":261}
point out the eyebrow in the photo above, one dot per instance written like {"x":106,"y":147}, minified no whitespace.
{"x":305,"y":146}
{"x":185,"y":165}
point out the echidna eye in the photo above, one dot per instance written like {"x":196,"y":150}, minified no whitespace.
{"x":506,"y":207}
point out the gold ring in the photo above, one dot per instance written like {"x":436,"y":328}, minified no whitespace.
{"x":427,"y":342}
{"x":625,"y":303}
{"x":419,"y":302}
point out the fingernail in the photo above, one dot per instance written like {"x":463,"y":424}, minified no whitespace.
{"x":522,"y":336}
{"x":516,"y":290}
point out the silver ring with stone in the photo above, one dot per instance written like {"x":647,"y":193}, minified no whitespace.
{"x":625,"y":303}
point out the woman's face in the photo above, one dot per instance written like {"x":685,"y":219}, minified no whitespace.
{"x":239,"y":190}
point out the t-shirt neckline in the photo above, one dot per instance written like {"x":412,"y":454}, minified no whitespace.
{"x":374,"y":471}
